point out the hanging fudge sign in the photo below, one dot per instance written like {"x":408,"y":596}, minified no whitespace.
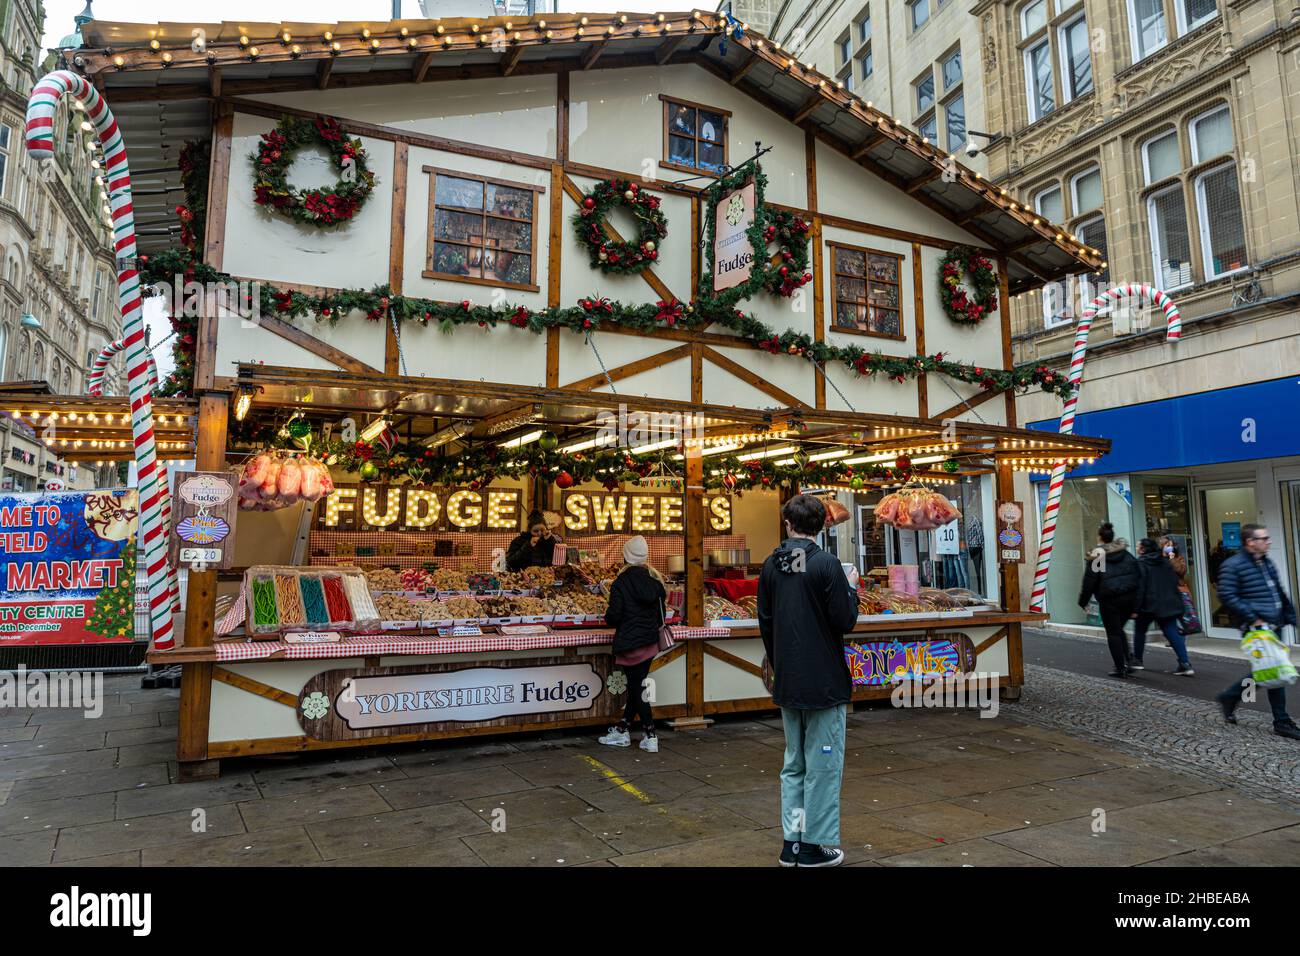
{"x":376,"y":702}
{"x":733,"y":254}
{"x":67,"y":567}
{"x":203,"y":518}
{"x":417,"y":508}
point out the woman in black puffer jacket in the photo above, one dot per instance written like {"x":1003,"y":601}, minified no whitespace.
{"x":636,"y":612}
{"x":1159,"y":600}
{"x":1114,"y":578}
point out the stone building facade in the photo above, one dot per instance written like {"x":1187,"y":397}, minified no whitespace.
{"x":919,"y":60}
{"x":58,"y":303}
{"x":1163,"y":132}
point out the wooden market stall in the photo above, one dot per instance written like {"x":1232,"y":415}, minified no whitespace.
{"x":804,"y":280}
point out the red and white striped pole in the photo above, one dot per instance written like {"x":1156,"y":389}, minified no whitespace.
{"x":1173,"y":333}
{"x":152,"y":483}
{"x":95,"y":378}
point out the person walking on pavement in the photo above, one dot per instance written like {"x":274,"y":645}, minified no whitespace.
{"x":1189,"y":622}
{"x":805,"y":604}
{"x":1159,"y":600}
{"x":1113,"y":577}
{"x":636,"y":612}
{"x":1251,"y":590}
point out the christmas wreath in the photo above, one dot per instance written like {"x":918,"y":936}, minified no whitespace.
{"x":961,"y":307}
{"x":789,"y":269}
{"x":328,"y":205}
{"x":620,"y":257}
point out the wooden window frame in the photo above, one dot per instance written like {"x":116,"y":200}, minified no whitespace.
{"x":429,"y":273}
{"x":834,"y":326}
{"x":666,"y":163}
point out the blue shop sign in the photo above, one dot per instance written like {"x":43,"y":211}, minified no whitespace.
{"x":1242,"y":423}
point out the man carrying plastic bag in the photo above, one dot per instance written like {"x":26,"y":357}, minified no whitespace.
{"x":1251,"y":590}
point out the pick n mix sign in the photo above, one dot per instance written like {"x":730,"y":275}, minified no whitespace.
{"x":67,"y":567}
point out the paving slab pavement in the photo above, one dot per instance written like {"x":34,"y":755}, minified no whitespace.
{"x":1079,"y":772}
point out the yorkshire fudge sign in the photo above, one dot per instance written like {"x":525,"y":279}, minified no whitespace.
{"x":344,"y":705}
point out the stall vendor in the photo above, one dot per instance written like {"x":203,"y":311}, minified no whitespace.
{"x":533,"y":548}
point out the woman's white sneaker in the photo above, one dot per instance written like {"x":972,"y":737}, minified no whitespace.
{"x":650,"y":744}
{"x":616,"y":738}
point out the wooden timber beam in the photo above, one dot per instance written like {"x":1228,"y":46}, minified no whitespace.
{"x":324,"y":69}
{"x":511,"y":60}
{"x":809,"y":107}
{"x":592,"y":55}
{"x":665,"y":51}
{"x":421,"y":68}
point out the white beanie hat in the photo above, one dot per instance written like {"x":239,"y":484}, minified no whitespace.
{"x":635,"y":550}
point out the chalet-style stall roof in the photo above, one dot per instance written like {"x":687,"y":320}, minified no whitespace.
{"x":161,"y":79}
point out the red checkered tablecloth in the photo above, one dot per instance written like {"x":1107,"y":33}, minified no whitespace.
{"x":377,"y":645}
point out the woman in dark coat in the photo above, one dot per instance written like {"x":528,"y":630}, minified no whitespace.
{"x":534,"y":548}
{"x":1114,"y":578}
{"x":636,"y":612}
{"x":1159,"y":600}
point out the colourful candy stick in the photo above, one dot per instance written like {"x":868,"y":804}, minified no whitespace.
{"x":153,"y":484}
{"x":1173,"y":333}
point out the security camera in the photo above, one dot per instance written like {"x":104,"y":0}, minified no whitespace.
{"x":972,"y":150}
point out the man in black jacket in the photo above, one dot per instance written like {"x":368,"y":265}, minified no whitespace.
{"x":1113,"y":577}
{"x":805,"y":604}
{"x":1251,"y":589}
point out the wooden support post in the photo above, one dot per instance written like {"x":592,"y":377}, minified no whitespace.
{"x":1004,"y":316}
{"x":695,"y":529}
{"x":918,"y":308}
{"x":396,"y":252}
{"x":205,"y":362}
{"x":200,"y":606}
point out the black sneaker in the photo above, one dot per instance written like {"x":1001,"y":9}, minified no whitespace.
{"x":810,"y":854}
{"x":1288,"y":729}
{"x":789,"y":854}
{"x":1121,"y":673}
{"x":1135,"y":664}
{"x":1229,"y":709}
{"x":1183,"y":670}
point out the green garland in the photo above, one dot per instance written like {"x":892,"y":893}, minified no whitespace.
{"x":589,"y":313}
{"x":787,"y":230}
{"x":477,"y":466}
{"x":194,"y":162}
{"x":327,"y":206}
{"x":620,"y":257}
{"x":961,"y":308}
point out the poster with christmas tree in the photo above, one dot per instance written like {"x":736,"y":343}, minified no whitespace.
{"x":67,"y":567}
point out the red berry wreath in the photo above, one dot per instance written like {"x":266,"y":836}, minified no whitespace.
{"x":960,"y":306}
{"x":620,"y":257}
{"x":328,"y":205}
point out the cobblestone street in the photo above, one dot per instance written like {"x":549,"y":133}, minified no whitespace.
{"x":921,"y":787}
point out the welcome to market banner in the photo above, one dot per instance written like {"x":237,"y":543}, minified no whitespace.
{"x":67,"y":567}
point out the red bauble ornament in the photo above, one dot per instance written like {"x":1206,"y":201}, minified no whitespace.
{"x":564,"y":480}
{"x":589,"y":203}
{"x":903,"y":463}
{"x":729,"y":481}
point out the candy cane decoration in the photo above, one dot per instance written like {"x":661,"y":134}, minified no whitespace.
{"x":95,"y":386}
{"x":1173,"y":333}
{"x":153,"y":485}
{"x":95,"y":380}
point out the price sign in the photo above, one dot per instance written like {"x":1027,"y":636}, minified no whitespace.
{"x":945,"y":537}
{"x":386,"y":549}
{"x":203,"y":518}
{"x":425,"y":549}
{"x":200,"y":555}
{"x":1011,"y":532}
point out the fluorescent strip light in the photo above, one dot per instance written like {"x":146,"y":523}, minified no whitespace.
{"x":374,"y":429}
{"x":750,"y":456}
{"x":716,"y":450}
{"x":591,"y":443}
{"x":643,"y":449}
{"x":823,"y":456}
{"x":522,"y":439}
